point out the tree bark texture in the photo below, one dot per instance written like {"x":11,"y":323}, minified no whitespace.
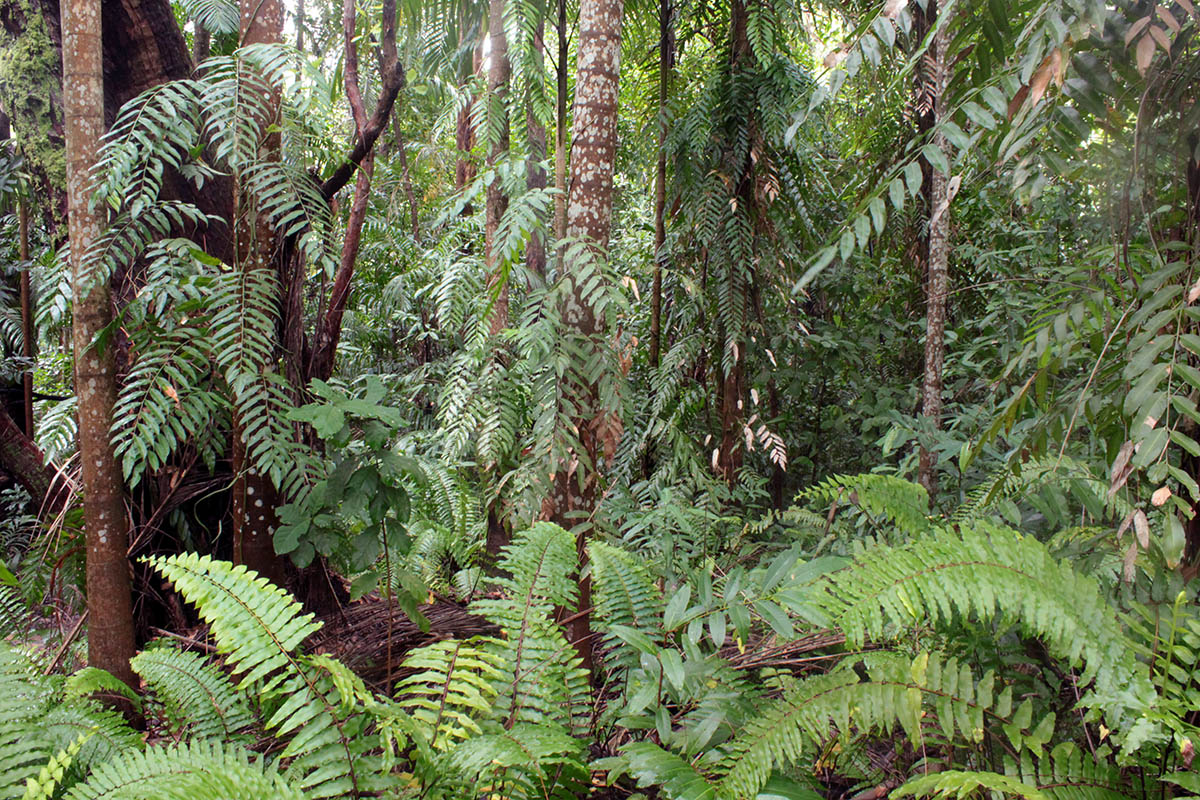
{"x":110,"y":607}
{"x":589,"y":218}
{"x":937,"y":278}
{"x":498,"y":142}
{"x":560,"y":127}
{"x":28,"y":335}
{"x":666,"y":62}
{"x":254,"y":498}
{"x":535,"y":173}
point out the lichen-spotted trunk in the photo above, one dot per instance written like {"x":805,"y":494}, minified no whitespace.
{"x":589,"y":216}
{"x":106,"y":525}
{"x":254,"y":497}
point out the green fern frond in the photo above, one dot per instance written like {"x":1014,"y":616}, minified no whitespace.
{"x":1069,"y":773}
{"x":93,"y":680}
{"x":960,"y":784}
{"x":453,"y":685}
{"x":195,"y":695}
{"x":50,"y":778}
{"x":882,"y":497}
{"x":988,"y":572}
{"x":255,"y":623}
{"x":624,"y":593}
{"x":897,"y":691}
{"x":199,"y":768}
{"x":529,"y":761}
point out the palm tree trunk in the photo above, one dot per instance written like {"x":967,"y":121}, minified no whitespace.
{"x":106,"y":526}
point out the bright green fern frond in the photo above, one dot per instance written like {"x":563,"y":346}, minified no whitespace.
{"x":897,"y":692}
{"x":624,"y":593}
{"x":1069,"y":773}
{"x":200,"y":768}
{"x":255,"y":623}
{"x":992,"y":572}
{"x":528,"y":761}
{"x":95,"y":681}
{"x":653,"y":766}
{"x":195,"y":695}
{"x":882,"y":497}
{"x":960,"y":784}
{"x":46,"y":785}
{"x":452,"y":686}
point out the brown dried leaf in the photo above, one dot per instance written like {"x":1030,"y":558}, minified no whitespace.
{"x":1125,"y":523}
{"x":1049,"y":67}
{"x":1120,"y":468}
{"x":1141,"y":528}
{"x":1161,"y":495}
{"x":1127,"y":571}
{"x":1018,"y":100}
{"x":1187,"y":6}
{"x":1135,"y":29}
{"x":1168,"y":18}
{"x":1145,"y":53}
{"x":1160,"y":36}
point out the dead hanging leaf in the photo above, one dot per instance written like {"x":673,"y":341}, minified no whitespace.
{"x":171,"y":393}
{"x":1161,"y":495}
{"x":1141,"y":528}
{"x":1160,"y":36}
{"x":893,"y":8}
{"x":1193,"y":292}
{"x":1049,"y":69}
{"x":1127,"y":571}
{"x":1145,"y":54}
{"x":1187,"y":6}
{"x":1135,"y":29}
{"x":1120,"y":468}
{"x":1168,"y":18}
{"x":1125,"y":523}
{"x":1018,"y":100}
{"x":836,"y":56}
{"x":1187,"y":752}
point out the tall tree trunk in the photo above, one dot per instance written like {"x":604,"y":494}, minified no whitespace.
{"x":560,"y":128}
{"x":937,"y":275}
{"x":254,"y":496}
{"x":464,"y":134}
{"x":589,"y":218}
{"x":110,"y":604}
{"x":535,"y":173}
{"x":666,"y":62}
{"x":497,"y":127}
{"x":201,"y":43}
{"x":27,"y":332}
{"x":731,"y":389}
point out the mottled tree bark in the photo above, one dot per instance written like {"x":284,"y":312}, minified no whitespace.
{"x":254,"y":497}
{"x":937,"y":276}
{"x":498,"y":136}
{"x":589,"y":218}
{"x":560,"y":127}
{"x":535,"y":173}
{"x":28,"y":335}
{"x":464,"y":134}
{"x":110,"y":607}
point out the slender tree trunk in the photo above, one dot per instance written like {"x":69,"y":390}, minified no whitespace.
{"x":535,"y":173}
{"x":589,"y":217}
{"x":254,"y":496}
{"x":497,"y":127}
{"x":106,"y":527}
{"x":300,"y":22}
{"x":731,"y":389}
{"x":937,"y":279}
{"x":560,"y":128}
{"x":464,"y":135}
{"x":406,"y":177}
{"x":27,"y":332}
{"x":666,"y":62}
{"x":201,"y":43}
